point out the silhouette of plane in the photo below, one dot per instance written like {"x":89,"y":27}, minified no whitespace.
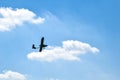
{"x":41,"y":46}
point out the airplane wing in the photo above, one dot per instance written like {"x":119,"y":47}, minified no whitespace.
{"x":41,"y":45}
{"x":40,"y":48}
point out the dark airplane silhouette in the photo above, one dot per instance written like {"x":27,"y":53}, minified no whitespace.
{"x":42,"y":45}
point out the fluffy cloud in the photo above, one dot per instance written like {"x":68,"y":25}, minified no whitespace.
{"x":10,"y":18}
{"x":70,"y":50}
{"x":10,"y":75}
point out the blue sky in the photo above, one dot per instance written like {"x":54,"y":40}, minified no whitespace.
{"x":83,"y":38}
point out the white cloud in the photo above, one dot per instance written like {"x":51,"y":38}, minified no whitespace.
{"x":10,"y":18}
{"x":10,"y":75}
{"x":53,"y":79}
{"x":70,"y":50}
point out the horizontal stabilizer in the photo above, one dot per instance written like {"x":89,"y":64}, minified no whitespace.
{"x":33,"y":46}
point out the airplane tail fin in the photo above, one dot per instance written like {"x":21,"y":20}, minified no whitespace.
{"x":33,"y":46}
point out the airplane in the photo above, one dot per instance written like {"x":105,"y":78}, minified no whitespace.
{"x":41,"y":46}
